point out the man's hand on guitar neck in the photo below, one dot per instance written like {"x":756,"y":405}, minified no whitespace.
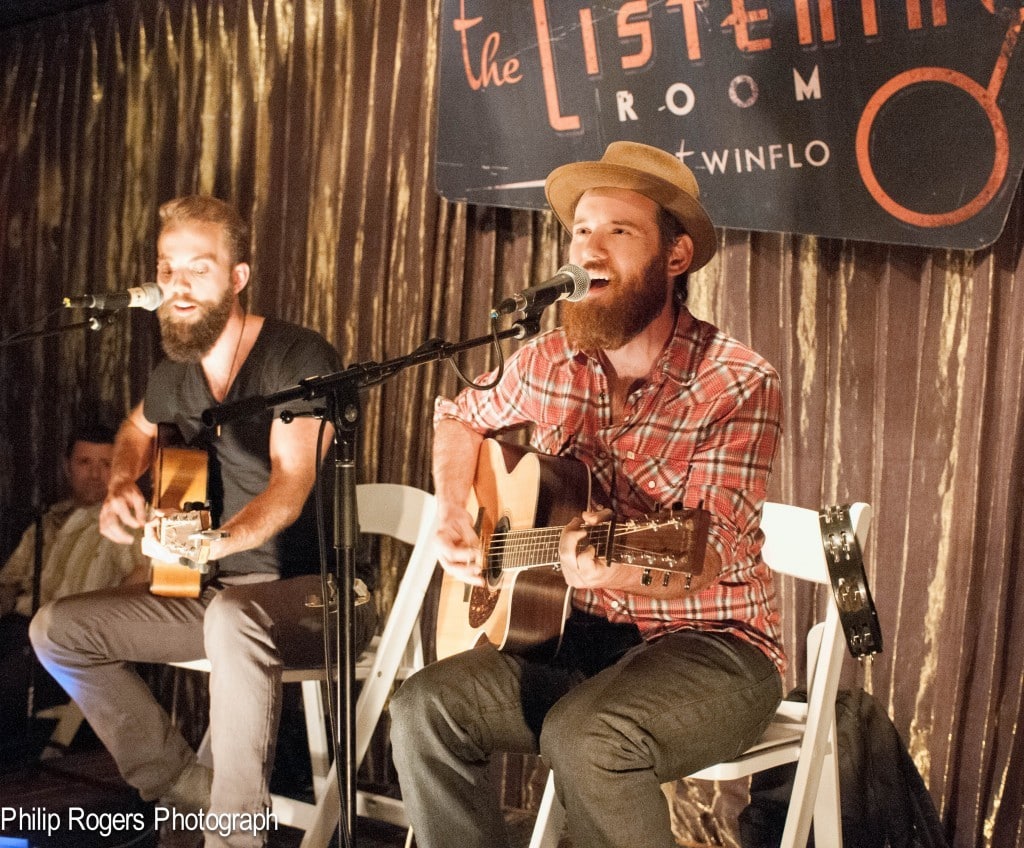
{"x":583,"y":569}
{"x":459,"y":545}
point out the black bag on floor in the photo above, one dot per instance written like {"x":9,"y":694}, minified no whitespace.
{"x":884,"y":801}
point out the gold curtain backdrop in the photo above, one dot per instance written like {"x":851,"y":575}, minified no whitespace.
{"x":902,"y":367}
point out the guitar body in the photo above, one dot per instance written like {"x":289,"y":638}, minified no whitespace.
{"x":518,"y":611}
{"x":179,"y":480}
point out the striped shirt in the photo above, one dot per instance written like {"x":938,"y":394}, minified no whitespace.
{"x":704,"y":427}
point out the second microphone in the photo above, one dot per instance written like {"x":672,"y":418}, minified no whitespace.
{"x":147,"y":296}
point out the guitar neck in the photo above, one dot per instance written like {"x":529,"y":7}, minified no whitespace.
{"x":671,"y":542}
{"x":535,"y":548}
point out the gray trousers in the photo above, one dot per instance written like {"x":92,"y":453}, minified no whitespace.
{"x":611,"y":731}
{"x":249,"y":632}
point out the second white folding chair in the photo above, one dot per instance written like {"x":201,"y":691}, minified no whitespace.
{"x":800,"y":732}
{"x":407,"y":514}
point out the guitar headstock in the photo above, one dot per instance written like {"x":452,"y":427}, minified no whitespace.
{"x":187,"y":535}
{"x":664,"y":541}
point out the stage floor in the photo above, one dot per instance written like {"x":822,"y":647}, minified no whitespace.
{"x":82,"y":793}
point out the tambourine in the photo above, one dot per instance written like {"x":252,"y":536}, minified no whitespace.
{"x":849,"y":582}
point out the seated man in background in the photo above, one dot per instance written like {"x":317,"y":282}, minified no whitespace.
{"x":75,"y":558}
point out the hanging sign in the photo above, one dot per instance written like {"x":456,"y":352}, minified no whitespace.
{"x":883,"y":120}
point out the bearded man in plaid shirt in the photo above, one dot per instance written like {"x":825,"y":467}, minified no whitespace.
{"x":654,"y":680}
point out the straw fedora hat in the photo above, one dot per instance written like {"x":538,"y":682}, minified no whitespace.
{"x":647,"y":171}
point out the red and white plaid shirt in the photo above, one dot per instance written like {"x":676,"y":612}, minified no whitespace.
{"x":704,"y":428}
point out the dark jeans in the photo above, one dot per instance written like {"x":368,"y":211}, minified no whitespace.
{"x":612,"y":731}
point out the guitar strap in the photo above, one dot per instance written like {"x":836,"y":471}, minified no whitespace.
{"x":563,"y":450}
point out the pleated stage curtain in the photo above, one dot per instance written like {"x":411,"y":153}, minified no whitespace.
{"x":901,"y":366}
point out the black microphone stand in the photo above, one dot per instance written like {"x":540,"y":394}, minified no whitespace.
{"x":94,"y":322}
{"x":37,"y":584}
{"x":341,"y":391}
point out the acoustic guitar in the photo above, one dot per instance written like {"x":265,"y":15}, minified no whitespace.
{"x":180,"y":501}
{"x":522,"y":501}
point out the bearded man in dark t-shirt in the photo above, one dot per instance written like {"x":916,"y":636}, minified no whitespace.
{"x":251,"y":619}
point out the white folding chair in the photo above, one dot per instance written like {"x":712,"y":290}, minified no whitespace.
{"x":407,"y":514}
{"x":800,"y":732}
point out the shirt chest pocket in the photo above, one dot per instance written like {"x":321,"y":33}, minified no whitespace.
{"x":657,"y":480}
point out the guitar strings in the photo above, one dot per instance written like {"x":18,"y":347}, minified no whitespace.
{"x":623,"y":528}
{"x":535,"y":548}
{"x":519,"y":550}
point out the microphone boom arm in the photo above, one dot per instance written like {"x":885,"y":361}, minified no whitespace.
{"x":363,"y":375}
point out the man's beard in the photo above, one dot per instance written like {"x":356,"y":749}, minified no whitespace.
{"x":190,"y":341}
{"x":613,"y":321}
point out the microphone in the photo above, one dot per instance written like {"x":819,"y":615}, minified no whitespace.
{"x":570,"y":283}
{"x":147,"y":296}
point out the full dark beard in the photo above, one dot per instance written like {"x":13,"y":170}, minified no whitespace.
{"x":610,"y":324}
{"x":190,"y":342}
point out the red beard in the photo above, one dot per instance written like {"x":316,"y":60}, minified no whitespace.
{"x":622,"y":312}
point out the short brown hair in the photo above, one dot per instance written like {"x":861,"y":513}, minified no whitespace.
{"x":95,"y":434}
{"x":201,"y":208}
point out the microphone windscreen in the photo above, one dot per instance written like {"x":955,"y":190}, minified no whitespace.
{"x":581,"y":281}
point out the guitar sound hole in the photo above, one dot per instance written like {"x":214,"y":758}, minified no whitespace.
{"x":496,"y":553}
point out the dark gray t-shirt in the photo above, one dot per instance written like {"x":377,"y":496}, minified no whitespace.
{"x":239,"y":453}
